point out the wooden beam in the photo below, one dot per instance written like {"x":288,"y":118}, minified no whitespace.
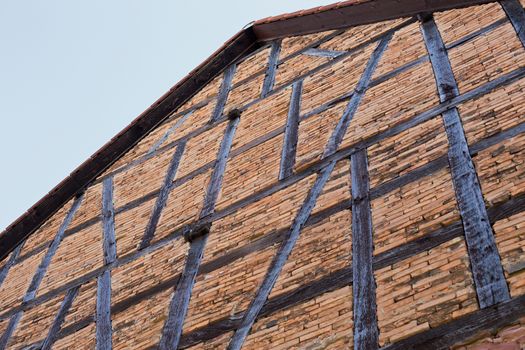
{"x":104,"y":332}
{"x":487,"y":272}
{"x":9,"y":263}
{"x":168,"y":132}
{"x":44,"y":264}
{"x":291,"y":132}
{"x":366,"y":335}
{"x":280,"y":259}
{"x":217,"y":175}
{"x":59,"y":318}
{"x":362,"y":85}
{"x":322,"y":53}
{"x":178,"y":308}
{"x":224,"y":92}
{"x":108,"y":222}
{"x":164,"y":193}
{"x":269,"y":77}
{"x":516,"y":15}
{"x":179,"y":303}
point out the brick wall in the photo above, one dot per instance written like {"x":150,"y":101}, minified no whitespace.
{"x":419,"y":288}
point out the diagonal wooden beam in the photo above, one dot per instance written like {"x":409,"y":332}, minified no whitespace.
{"x":162,"y":198}
{"x":516,"y":15}
{"x":41,"y":271}
{"x":366,"y":336}
{"x":168,"y":132}
{"x":280,"y":259}
{"x":12,"y":260}
{"x":178,"y":308}
{"x":224,"y":92}
{"x":485,"y":262}
{"x":269,"y":77}
{"x":362,"y":85}
{"x":291,"y":132}
{"x":59,"y":318}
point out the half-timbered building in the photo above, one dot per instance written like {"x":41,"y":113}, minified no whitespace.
{"x":346,"y":177}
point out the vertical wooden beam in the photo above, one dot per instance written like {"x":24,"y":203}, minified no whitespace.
{"x":291,"y":132}
{"x":364,"y":287}
{"x":487,"y":271}
{"x":41,"y":271}
{"x":162,"y":198}
{"x":103,"y":311}
{"x":280,"y":259}
{"x":59,"y":319}
{"x":269,"y":77}
{"x":362,"y":85}
{"x":224,"y":91}
{"x":108,"y":221}
{"x":178,"y":307}
{"x":516,"y":15}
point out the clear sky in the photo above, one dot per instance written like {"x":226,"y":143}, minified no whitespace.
{"x":74,"y":73}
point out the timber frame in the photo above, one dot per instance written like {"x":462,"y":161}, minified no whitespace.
{"x":496,"y":305}
{"x":248,"y":40}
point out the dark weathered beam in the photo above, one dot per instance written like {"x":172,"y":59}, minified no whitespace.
{"x":179,"y":303}
{"x":160,"y":203}
{"x":178,"y":308}
{"x":516,"y":15}
{"x":217,"y":175}
{"x":487,"y":271}
{"x":444,"y":336}
{"x":59,"y":318}
{"x":108,"y":222}
{"x":103,"y":314}
{"x":280,"y":259}
{"x":269,"y":77}
{"x":364,"y":288}
{"x":224,"y":92}
{"x":291,"y":132}
{"x":362,"y":85}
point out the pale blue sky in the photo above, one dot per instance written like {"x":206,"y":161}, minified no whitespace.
{"x":74,"y":73}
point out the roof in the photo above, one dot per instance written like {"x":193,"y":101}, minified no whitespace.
{"x":335,"y":16}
